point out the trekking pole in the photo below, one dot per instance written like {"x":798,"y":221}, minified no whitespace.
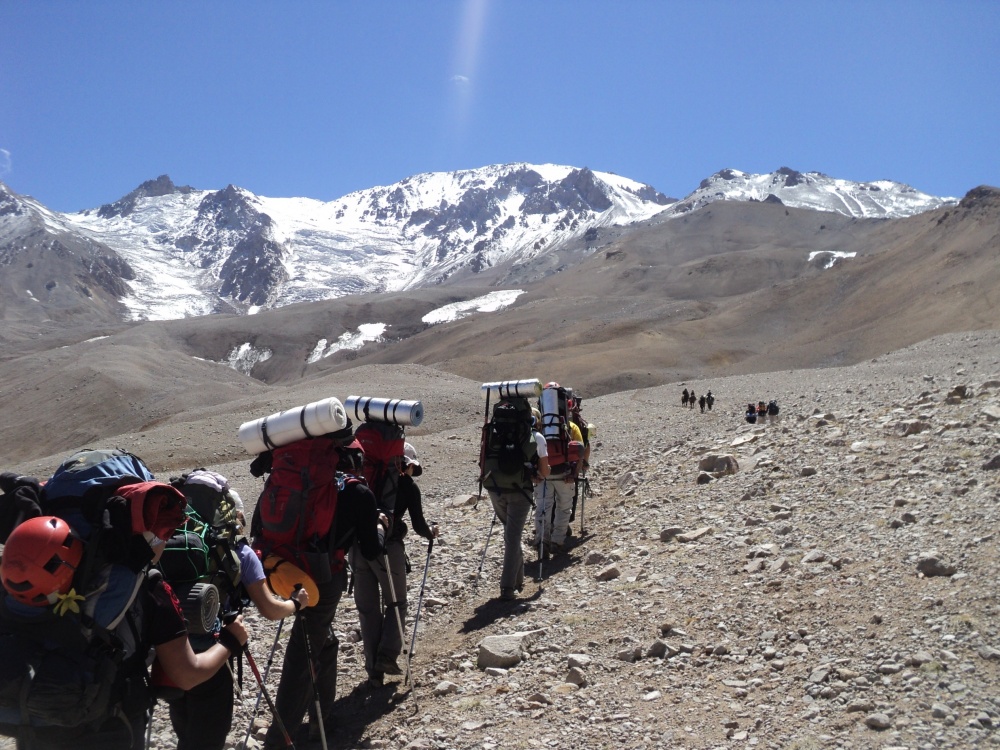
{"x":149,"y":725}
{"x":301,"y":619}
{"x":482,"y":449}
{"x":583,"y":504}
{"x":395,"y":607}
{"x":267,"y":696}
{"x":475,"y":585}
{"x":416,"y":619}
{"x":267,"y":671}
{"x":541,"y":542}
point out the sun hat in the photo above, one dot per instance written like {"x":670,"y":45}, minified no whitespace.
{"x":410,"y":459}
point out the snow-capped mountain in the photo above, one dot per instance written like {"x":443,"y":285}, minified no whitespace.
{"x":167,"y":251}
{"x":198,"y":251}
{"x":882,"y":199}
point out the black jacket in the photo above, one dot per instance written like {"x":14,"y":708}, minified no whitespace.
{"x":408,"y":499}
{"x":357,"y":518}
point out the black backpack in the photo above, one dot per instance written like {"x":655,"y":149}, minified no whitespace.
{"x":772,"y":409}
{"x":509,"y":449}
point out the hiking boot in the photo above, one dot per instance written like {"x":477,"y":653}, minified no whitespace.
{"x":555,"y":549}
{"x":507,"y":594}
{"x":387,"y":665}
{"x":376,"y":680}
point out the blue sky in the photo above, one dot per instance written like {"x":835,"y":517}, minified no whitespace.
{"x":319,"y":99}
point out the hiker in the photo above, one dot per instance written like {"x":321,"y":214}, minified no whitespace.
{"x":373,"y":595}
{"x":701,"y":402}
{"x":99,"y":611}
{"x":684,"y":397}
{"x":165,"y":632}
{"x":554,"y":498}
{"x":202,"y":716}
{"x":511,"y":490}
{"x":312,"y":640}
{"x":761,"y":411}
{"x":751,"y":415}
{"x":709,"y":400}
{"x":772,"y":410}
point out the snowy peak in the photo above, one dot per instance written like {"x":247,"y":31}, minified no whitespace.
{"x":882,"y":199}
{"x":162,"y":185}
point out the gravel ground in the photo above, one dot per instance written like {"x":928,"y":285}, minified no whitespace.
{"x":837,"y":588}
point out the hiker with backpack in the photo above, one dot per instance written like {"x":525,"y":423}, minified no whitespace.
{"x":513,"y":459}
{"x":202,"y":716}
{"x":566,"y":450}
{"x":382,"y":604}
{"x":751,"y":415}
{"x":709,"y":400}
{"x":79,"y":613}
{"x":313,"y":507}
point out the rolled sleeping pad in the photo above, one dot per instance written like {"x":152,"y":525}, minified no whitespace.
{"x":393,"y":410}
{"x":550,"y":412}
{"x":507,"y":388}
{"x":284,"y":427}
{"x":283,"y":577}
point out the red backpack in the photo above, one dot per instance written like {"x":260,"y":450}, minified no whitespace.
{"x":296,"y":510}
{"x":382,"y":443}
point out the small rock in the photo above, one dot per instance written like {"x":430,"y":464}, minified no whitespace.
{"x":609,"y":573}
{"x":878,"y":721}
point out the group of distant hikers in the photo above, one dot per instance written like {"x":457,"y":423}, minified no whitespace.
{"x":119,"y":590}
{"x":689,"y":399}
{"x":761,"y":412}
{"x":754,"y":413}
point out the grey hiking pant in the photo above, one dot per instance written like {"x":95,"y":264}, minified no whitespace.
{"x":554,"y":491}
{"x":373,"y":597}
{"x":295,"y":690}
{"x":512,"y":511}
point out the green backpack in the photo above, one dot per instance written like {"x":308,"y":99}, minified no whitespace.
{"x":509,"y":449}
{"x":201,"y":560}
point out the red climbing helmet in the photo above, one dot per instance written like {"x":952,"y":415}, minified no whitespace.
{"x":39,"y":560}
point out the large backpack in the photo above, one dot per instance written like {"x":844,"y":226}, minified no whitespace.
{"x":78,"y":661}
{"x":382,"y":443}
{"x":201,"y":561}
{"x":295,"y":511}
{"x":772,"y":409}
{"x":563,"y":453}
{"x":509,"y":450}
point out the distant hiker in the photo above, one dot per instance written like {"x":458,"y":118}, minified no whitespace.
{"x":514,"y":458}
{"x":761,"y":411}
{"x":80,"y":593}
{"x":566,"y":450}
{"x":588,"y":431}
{"x":692,"y":400}
{"x":312,"y":530}
{"x":202,"y":716}
{"x":383,"y":642}
{"x":751,"y":415}
{"x":709,"y":400}
{"x":772,"y":409}
{"x":684,"y":397}
{"x":702,"y":401}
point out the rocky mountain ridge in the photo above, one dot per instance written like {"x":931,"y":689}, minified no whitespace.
{"x":186,"y":252}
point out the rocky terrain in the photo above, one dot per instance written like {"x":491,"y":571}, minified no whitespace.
{"x":837,"y":589}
